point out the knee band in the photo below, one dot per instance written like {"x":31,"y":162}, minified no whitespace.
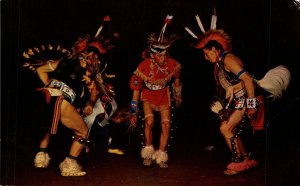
{"x":80,"y":139}
{"x":148,"y":115}
{"x":165,"y":121}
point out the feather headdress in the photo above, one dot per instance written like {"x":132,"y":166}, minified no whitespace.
{"x":95,"y":71}
{"x":218,"y":35}
{"x":38,"y":56}
{"x":213,"y":34}
{"x":162,"y":43}
{"x":275,"y":81}
{"x":105,"y":19}
{"x":95,"y":76}
{"x":101,"y":43}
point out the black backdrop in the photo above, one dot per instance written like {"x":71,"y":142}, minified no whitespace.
{"x":265,"y":33}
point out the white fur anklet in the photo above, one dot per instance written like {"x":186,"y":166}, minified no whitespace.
{"x":147,"y":152}
{"x":160,"y":156}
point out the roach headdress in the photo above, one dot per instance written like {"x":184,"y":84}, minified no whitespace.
{"x":213,"y":34}
{"x":162,"y":43}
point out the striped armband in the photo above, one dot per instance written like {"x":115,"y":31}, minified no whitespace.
{"x":133,"y":107}
{"x":251,"y":103}
{"x":241,"y":73}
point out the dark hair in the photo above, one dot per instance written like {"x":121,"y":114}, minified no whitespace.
{"x":93,"y":49}
{"x":213,"y":43}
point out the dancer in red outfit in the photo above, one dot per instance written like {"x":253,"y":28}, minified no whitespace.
{"x":150,"y":85}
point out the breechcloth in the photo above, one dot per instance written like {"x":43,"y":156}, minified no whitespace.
{"x":56,"y":113}
{"x":49,"y":108}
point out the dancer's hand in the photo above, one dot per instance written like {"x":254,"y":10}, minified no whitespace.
{"x":251,"y":113}
{"x":87,"y":110}
{"x":133,"y":120}
{"x":229,"y":94}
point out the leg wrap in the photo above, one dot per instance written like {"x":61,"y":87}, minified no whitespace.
{"x":160,"y":156}
{"x":147,"y":152}
{"x":235,"y":157}
{"x":80,"y":139}
{"x":238,"y":132}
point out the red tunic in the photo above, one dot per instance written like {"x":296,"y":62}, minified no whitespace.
{"x":155,"y":78}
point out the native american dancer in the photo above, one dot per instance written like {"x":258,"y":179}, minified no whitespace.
{"x":64,"y":91}
{"x":101,"y":106}
{"x":150,"y":85}
{"x":240,"y":98}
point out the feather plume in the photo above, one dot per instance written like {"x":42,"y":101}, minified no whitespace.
{"x":190,"y":32}
{"x":213,"y":24}
{"x":168,"y":20}
{"x":39,"y":56}
{"x":200,"y":23}
{"x":105,"y":19}
{"x":99,"y":30}
{"x":275,"y":81}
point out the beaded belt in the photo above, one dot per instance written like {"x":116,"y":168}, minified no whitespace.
{"x":64,"y":88}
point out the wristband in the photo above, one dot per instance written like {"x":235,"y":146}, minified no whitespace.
{"x":133,"y":107}
{"x":251,"y":103}
{"x":241,"y":73}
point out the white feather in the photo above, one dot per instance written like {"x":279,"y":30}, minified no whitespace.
{"x":169,"y":17}
{"x":99,"y":30}
{"x":275,"y":81}
{"x":213,"y":23}
{"x":161,"y":35}
{"x":200,"y":23}
{"x":191,"y":32}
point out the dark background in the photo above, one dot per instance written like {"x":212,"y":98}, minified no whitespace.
{"x":265,"y":33}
